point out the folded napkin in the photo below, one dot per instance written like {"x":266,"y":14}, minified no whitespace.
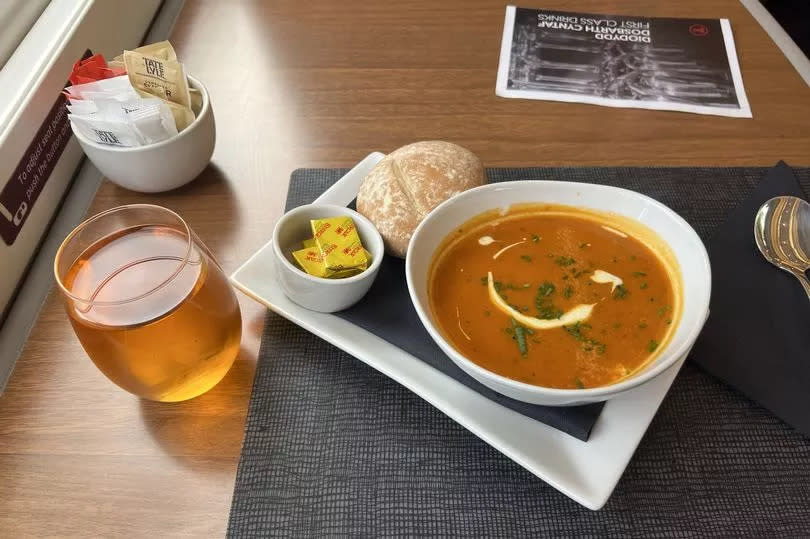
{"x":757,"y":337}
{"x":387,"y":312}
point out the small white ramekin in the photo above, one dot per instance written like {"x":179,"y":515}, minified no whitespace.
{"x":317,"y":293}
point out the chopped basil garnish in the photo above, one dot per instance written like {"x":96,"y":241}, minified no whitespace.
{"x":545,"y":308}
{"x":568,"y":291}
{"x":620,"y":292}
{"x":519,"y":335}
{"x":588,"y":344}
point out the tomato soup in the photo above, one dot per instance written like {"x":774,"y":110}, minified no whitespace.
{"x":553,"y":296}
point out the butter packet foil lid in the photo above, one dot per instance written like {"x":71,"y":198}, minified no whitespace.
{"x":339,"y":243}
{"x":114,"y":133}
{"x":165,"y":79}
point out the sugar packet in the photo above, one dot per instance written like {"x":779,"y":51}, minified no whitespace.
{"x":183,"y":116}
{"x":118,"y":88}
{"x":153,"y":122}
{"x":112,"y":132}
{"x":126,"y":123}
{"x":80,"y":106}
{"x":196,"y":100}
{"x":165,"y":79}
{"x":161,"y":49}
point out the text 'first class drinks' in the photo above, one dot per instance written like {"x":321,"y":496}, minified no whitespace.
{"x":153,"y":311}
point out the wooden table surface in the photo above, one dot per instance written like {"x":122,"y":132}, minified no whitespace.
{"x":322,"y":84}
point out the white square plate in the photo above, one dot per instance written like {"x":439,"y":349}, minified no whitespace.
{"x":587,"y":472}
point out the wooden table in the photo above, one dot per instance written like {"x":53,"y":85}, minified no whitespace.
{"x":322,"y":84}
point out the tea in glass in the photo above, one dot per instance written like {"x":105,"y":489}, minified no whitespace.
{"x":148,"y":302}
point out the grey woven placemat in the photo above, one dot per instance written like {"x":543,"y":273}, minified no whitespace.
{"x":334,"y":448}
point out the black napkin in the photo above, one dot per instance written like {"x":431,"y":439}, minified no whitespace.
{"x":387,"y":312}
{"x":757,"y":337}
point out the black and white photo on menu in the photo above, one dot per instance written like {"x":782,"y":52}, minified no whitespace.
{"x":687,"y":65}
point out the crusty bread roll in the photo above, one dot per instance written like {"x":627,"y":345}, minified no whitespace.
{"x":412,"y":180}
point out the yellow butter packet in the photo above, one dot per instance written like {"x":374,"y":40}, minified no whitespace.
{"x":310,"y":244}
{"x":311,"y":262}
{"x":339,"y":243}
{"x":165,"y":79}
{"x":342,"y":274}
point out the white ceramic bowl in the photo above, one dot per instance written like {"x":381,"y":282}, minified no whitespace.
{"x":671,"y":228}
{"x":161,"y":166}
{"x":317,"y":293}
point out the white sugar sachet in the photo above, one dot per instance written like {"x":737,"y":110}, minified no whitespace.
{"x":153,"y":122}
{"x":125,"y":95}
{"x":126,"y":123}
{"x":112,"y":132}
{"x":118,"y":88}
{"x":112,"y":109}
{"x":109,"y":109}
{"x":80,"y":106}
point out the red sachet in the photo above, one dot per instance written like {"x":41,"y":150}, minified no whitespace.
{"x":92,"y":69}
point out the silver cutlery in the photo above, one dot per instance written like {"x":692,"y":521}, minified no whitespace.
{"x":782,"y":233}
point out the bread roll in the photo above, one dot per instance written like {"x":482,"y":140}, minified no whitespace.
{"x":412,"y":180}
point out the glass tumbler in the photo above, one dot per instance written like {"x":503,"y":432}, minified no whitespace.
{"x":148,"y":302}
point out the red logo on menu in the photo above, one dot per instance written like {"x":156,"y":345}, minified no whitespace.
{"x":699,"y":30}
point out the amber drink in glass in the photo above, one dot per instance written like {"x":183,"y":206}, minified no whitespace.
{"x":147,"y":300}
